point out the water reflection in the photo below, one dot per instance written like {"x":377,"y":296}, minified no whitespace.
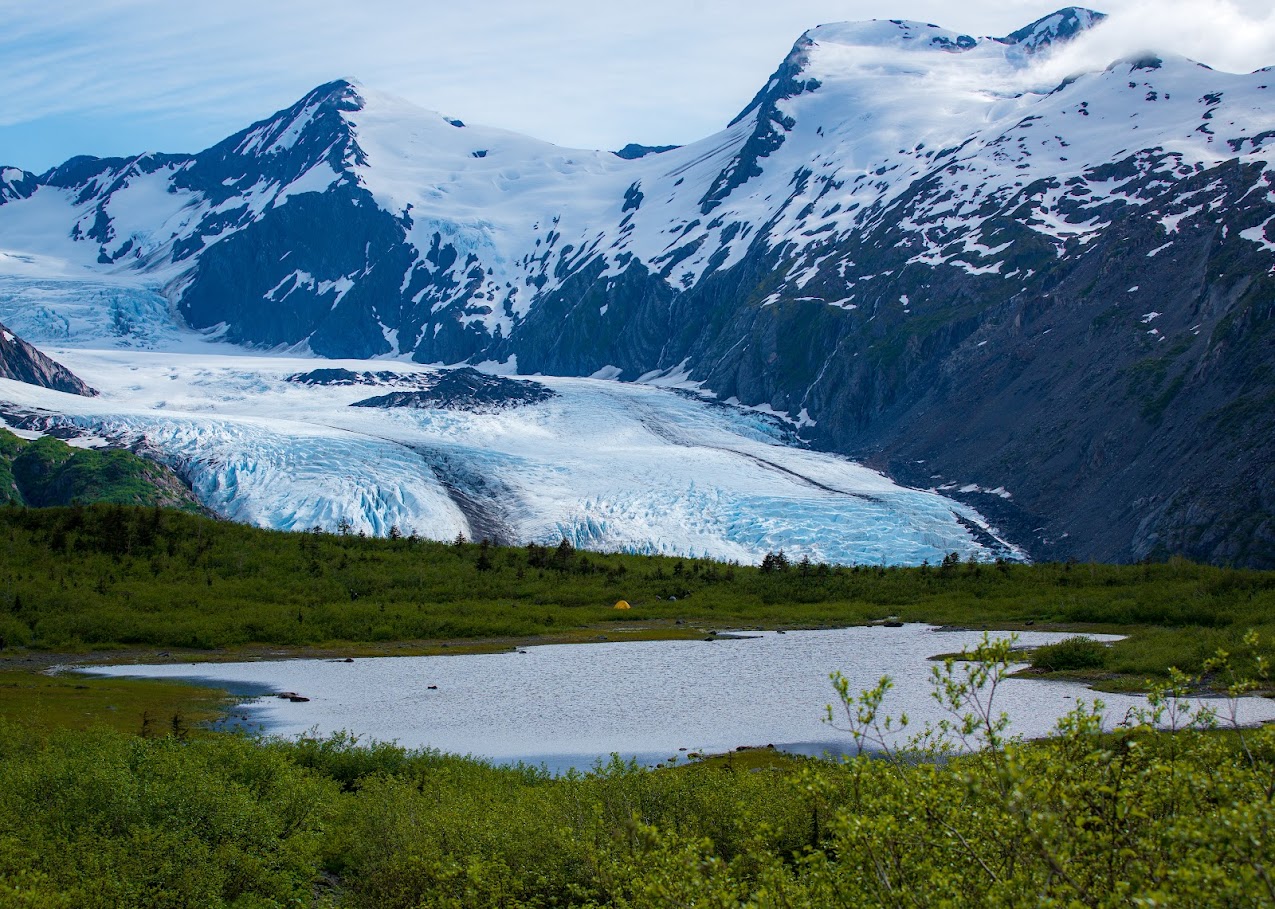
{"x":573,"y":705}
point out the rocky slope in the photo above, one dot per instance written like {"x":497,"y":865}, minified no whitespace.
{"x":915,"y":243}
{"x":23,"y":363}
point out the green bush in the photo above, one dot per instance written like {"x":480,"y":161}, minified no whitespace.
{"x":106,"y":820}
{"x":1074,"y":653}
{"x":1085,"y":819}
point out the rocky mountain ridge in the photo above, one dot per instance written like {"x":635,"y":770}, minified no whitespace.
{"x":24,"y":363}
{"x":922,"y":254}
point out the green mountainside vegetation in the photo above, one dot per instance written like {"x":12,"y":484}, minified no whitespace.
{"x":48,"y":472}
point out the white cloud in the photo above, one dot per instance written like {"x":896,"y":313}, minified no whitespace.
{"x":1221,"y":33}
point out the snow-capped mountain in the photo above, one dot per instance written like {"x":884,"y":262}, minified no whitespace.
{"x":916,"y":244}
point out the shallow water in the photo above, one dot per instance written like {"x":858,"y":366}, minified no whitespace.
{"x":571,"y":705}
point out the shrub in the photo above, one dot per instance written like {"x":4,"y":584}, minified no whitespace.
{"x":1070,"y":654}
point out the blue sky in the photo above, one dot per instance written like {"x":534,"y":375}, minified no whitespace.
{"x":114,"y":77}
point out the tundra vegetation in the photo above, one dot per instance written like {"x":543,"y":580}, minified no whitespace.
{"x":141,"y":806}
{"x":95,"y":579}
{"x":1133,"y":817}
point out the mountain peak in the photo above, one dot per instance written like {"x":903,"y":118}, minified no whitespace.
{"x":16,"y":184}
{"x":313,"y":124}
{"x":1056,"y":28}
{"x":343,"y":94}
{"x":903,"y":34}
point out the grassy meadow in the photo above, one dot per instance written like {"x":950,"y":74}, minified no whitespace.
{"x":105,"y":819}
{"x":105,"y":578}
{"x":113,"y":793}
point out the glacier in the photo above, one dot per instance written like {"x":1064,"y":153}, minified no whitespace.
{"x":606,"y":465}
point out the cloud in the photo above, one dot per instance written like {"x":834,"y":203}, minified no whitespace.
{"x":1220,"y":33}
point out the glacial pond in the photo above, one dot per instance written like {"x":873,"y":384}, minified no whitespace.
{"x":570,"y":705}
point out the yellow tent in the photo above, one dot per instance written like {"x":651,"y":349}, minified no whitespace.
{"x":622,"y":604}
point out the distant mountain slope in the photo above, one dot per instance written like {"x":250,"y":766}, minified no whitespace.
{"x":49,"y":472}
{"x":910,"y":242}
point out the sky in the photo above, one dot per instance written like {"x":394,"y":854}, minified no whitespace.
{"x":120,"y":77}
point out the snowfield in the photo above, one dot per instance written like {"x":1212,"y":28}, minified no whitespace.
{"x":604,"y":464}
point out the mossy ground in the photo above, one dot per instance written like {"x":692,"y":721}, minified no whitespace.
{"x":44,"y":702}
